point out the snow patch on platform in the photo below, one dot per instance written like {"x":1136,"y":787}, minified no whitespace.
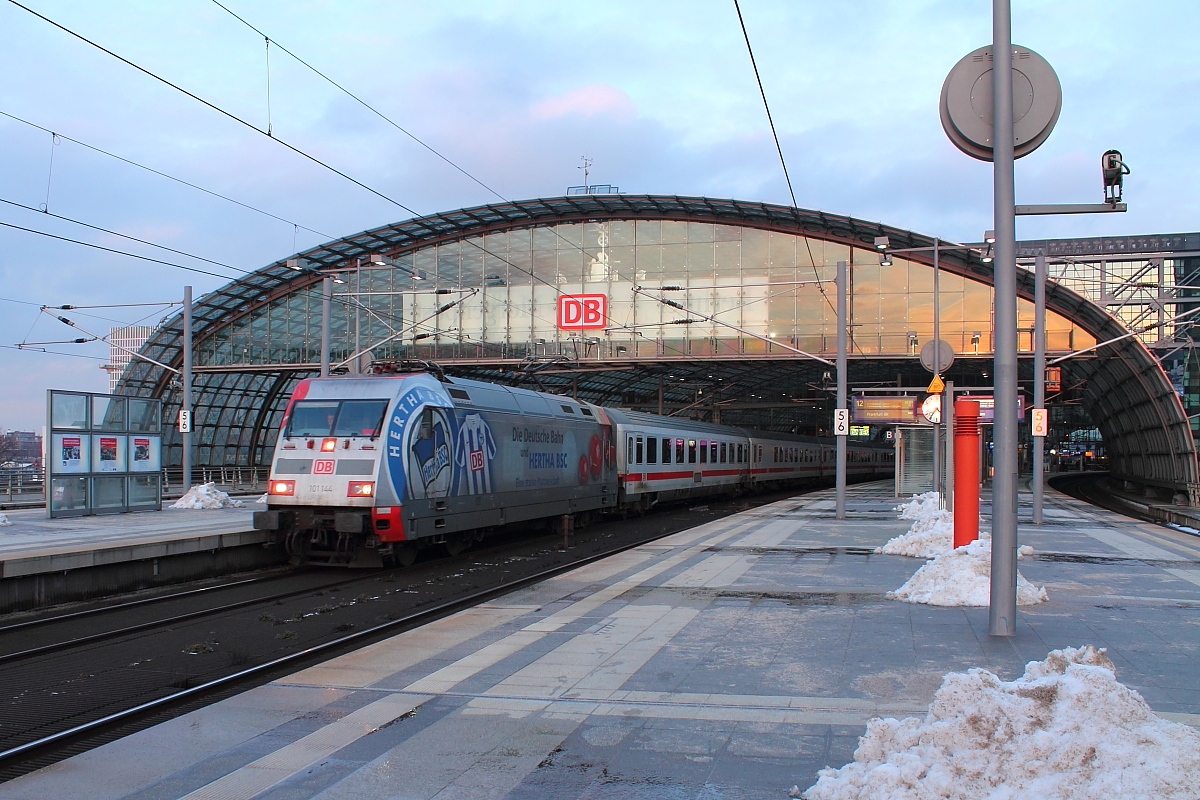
{"x":206,"y":495}
{"x":962,"y":577}
{"x":4,"y":520}
{"x":932,"y":531}
{"x":1067,"y":728}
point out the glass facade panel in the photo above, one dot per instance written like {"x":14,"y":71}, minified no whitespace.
{"x":69,"y":410}
{"x":108,"y":413}
{"x":109,"y":492}
{"x":68,"y":494}
{"x":143,"y":490}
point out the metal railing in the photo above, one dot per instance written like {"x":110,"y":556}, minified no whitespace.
{"x":14,"y":485}
{"x":238,"y":478}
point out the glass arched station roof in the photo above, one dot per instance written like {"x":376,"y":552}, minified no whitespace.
{"x":706,"y":303}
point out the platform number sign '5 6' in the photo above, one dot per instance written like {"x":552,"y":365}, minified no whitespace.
{"x":581,"y":311}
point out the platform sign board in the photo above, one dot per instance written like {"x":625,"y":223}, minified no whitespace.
{"x":987,"y":407}
{"x":885,"y":410}
{"x":1041,"y":422}
{"x":105,"y":454}
{"x":841,"y":422}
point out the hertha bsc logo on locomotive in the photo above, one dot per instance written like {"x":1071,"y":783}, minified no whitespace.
{"x":420,"y":438}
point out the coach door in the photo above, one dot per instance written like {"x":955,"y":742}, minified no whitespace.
{"x":635,"y":455}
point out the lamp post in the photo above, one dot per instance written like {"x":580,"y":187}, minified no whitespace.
{"x":1039,"y":379}
{"x":185,"y":436}
{"x":840,"y":427}
{"x":1002,"y":613}
{"x":326,"y":297}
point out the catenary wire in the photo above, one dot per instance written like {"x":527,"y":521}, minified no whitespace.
{"x":380,"y":114}
{"x":118,"y":252}
{"x":50,"y":352}
{"x":253,"y":127}
{"x":779,"y":148}
{"x":123,"y":236}
{"x":165,"y":175}
{"x":358,"y":99}
{"x":216,"y":108}
{"x":763,"y":92}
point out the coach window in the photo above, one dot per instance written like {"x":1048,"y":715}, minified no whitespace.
{"x":704,"y":452}
{"x":666,"y":446}
{"x":712,"y":452}
{"x":740,"y":454}
{"x":691,"y":451}
{"x":639,"y":449}
{"x":652,"y":450}
{"x":723,"y":452}
{"x":679,"y":451}
{"x":629,"y":452}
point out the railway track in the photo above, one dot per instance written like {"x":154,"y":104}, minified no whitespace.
{"x":83,"y":678}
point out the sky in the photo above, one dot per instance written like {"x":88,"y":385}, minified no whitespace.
{"x":660,"y":95}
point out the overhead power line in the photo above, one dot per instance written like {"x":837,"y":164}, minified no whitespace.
{"x":123,"y":236}
{"x":164,"y":175}
{"x":358,"y":100}
{"x":111,"y":250}
{"x":216,"y":108}
{"x":763,"y":92}
{"x":253,"y":127}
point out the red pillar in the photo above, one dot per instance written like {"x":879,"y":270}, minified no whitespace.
{"x":966,"y":471}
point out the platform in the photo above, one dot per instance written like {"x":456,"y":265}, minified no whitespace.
{"x":732,"y":660}
{"x":72,"y":558}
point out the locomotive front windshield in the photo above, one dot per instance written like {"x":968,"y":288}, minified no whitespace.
{"x":337,"y":418}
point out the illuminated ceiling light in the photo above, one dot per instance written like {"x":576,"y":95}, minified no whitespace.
{"x":296,"y":264}
{"x":989,"y":237}
{"x":885,"y":260}
{"x":882,"y":242}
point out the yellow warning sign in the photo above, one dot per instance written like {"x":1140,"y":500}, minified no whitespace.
{"x":936,"y":386}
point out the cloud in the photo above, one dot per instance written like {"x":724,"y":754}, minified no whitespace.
{"x":587,"y":101}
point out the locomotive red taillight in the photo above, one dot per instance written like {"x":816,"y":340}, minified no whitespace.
{"x":361,"y":489}
{"x":328,"y":445}
{"x":283,"y":487}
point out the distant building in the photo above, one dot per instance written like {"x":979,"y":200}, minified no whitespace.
{"x":19,"y":448}
{"x":121,"y":341}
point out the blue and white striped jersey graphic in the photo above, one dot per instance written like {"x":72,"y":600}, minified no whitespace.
{"x":473,"y":455}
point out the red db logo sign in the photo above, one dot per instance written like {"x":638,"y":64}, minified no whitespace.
{"x":577,"y":311}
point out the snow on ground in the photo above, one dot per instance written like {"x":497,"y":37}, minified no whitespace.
{"x":4,"y":520}
{"x":206,"y":495}
{"x":1065,"y":729}
{"x":932,"y":531}
{"x":263,"y":499}
{"x":962,"y":577}
{"x":1184,"y":528}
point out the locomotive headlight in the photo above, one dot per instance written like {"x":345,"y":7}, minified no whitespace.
{"x":328,"y":445}
{"x":360,"y":489}
{"x":283,"y":487}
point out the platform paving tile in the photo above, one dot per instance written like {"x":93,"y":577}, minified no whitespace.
{"x":729,"y":661}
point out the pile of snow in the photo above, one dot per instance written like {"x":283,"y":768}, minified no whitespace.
{"x":263,"y":499}
{"x":206,"y":496}
{"x":1066,"y":729}
{"x":932,"y":531}
{"x":962,"y":577}
{"x":4,"y":520}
